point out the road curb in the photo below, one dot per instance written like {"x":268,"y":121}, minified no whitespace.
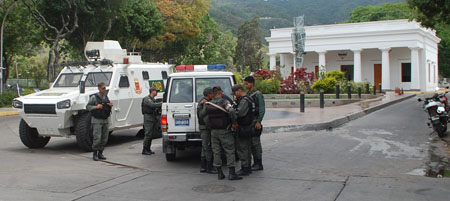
{"x":335,"y":122}
{"x":8,"y":113}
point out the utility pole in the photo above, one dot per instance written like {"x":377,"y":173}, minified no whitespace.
{"x":1,"y":45}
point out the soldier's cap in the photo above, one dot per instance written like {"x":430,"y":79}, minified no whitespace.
{"x":153,"y":89}
{"x":249,"y":79}
{"x":207,"y":91}
{"x":216,"y":89}
{"x":236,"y":87}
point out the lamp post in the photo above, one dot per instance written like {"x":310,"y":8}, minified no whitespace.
{"x":1,"y":45}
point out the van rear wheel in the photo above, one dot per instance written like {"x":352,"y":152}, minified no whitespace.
{"x":171,"y":157}
{"x":83,"y":131}
{"x":30,"y":136}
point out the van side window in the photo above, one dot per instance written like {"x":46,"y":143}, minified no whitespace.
{"x":164,"y":74}
{"x":123,"y":82}
{"x":181,"y":91}
{"x":145,"y":75}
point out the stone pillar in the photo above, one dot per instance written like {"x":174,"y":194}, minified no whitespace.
{"x":322,"y":58}
{"x":357,"y":74}
{"x":385,"y":69}
{"x":273,"y":61}
{"x":415,"y":71}
{"x":282,"y":60}
{"x":293,"y":61}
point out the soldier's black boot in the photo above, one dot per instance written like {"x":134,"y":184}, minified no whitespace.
{"x":220,"y":174}
{"x":100,"y":155}
{"x":257,"y":165}
{"x":243,"y":171}
{"x":209,"y":168}
{"x":203,"y":164}
{"x":95,"y":155}
{"x":249,"y":168}
{"x":232,"y":175}
{"x":147,"y":151}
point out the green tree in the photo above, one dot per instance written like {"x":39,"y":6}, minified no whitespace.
{"x":431,"y":12}
{"x":211,"y":46}
{"x":58,"y":20}
{"x":249,"y":44}
{"x":21,"y":34}
{"x":136,"y":22}
{"x":388,"y":11}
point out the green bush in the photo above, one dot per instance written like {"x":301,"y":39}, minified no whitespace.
{"x":327,"y":84}
{"x":269,"y":86}
{"x":6,"y":98}
{"x":337,"y":75}
{"x":354,"y":86}
{"x":238,"y":78}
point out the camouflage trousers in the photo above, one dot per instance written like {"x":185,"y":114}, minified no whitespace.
{"x":223,"y":139}
{"x":100,"y":136}
{"x":207,"y":152}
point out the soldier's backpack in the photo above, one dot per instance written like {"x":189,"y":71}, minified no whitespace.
{"x":255,"y":102}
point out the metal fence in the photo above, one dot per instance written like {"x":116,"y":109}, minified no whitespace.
{"x":28,"y":83}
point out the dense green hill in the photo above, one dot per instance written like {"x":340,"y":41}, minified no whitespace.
{"x":230,"y":14}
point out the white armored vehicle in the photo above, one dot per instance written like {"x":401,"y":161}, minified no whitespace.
{"x":61,"y":110}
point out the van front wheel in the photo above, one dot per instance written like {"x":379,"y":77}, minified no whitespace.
{"x":30,"y":136}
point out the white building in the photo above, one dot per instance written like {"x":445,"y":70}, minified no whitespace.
{"x":395,"y":53}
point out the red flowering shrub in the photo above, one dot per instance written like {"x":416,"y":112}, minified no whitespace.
{"x":297,"y":80}
{"x":266,"y":74}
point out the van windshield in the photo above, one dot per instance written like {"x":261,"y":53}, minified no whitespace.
{"x":94,"y":78}
{"x":68,"y":80}
{"x":202,"y":83}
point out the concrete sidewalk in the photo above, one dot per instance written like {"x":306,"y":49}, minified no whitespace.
{"x":315,"y":118}
{"x":7,"y":111}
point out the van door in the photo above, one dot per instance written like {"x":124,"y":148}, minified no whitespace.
{"x":181,"y":111}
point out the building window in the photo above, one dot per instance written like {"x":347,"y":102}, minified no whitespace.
{"x":406,"y":72}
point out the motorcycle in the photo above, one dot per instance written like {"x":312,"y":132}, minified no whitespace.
{"x":437,"y":109}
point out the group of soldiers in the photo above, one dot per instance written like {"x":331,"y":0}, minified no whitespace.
{"x":227,"y":127}
{"x":233,"y":131}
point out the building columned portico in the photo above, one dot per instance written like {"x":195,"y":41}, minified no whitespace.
{"x":395,"y":53}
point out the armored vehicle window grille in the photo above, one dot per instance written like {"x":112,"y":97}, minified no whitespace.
{"x":164,"y":74}
{"x":145,"y":75}
{"x":40,"y":109}
{"x":93,"y":79}
{"x":181,"y":91}
{"x":68,"y":80}
{"x":202,"y":83}
{"x":123,"y":82}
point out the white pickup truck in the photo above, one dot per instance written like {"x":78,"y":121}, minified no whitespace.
{"x":179,"y":122}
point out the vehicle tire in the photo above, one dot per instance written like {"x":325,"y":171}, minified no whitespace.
{"x":30,"y":136}
{"x":83,"y":131}
{"x":441,"y":130}
{"x":171,"y":157}
{"x":140,"y":133}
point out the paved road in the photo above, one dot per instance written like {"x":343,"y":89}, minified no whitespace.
{"x":376,"y":157}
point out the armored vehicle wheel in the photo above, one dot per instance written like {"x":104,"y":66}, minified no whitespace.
{"x":83,"y":131}
{"x":140,"y":133}
{"x":171,"y":157}
{"x":30,"y":136}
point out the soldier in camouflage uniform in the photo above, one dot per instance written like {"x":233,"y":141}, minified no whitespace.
{"x":260,"y":106}
{"x":150,"y":108}
{"x":246,"y":122}
{"x":205,"y":133}
{"x":100,"y":108}
{"x":222,"y":117}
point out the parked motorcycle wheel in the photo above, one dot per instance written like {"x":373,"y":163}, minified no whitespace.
{"x":441,"y":129}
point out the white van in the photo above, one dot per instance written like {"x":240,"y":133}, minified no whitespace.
{"x":179,"y":121}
